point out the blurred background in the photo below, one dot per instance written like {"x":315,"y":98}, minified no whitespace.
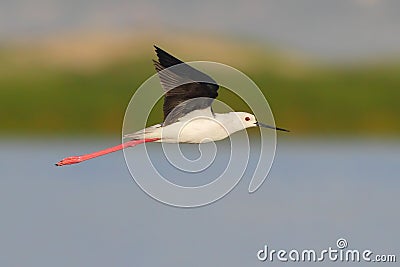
{"x":329,"y":69}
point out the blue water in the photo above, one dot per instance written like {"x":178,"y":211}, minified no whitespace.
{"x":93,"y":214}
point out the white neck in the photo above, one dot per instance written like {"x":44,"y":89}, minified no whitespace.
{"x":231,"y":121}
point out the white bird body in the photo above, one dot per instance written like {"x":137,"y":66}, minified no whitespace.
{"x":198,"y":126}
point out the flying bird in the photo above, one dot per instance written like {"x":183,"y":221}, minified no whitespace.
{"x":188,"y":113}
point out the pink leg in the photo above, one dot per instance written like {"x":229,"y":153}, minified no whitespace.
{"x":78,"y":159}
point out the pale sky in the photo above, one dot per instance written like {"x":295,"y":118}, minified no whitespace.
{"x":332,"y":29}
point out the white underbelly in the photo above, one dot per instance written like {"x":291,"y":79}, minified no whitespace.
{"x":197,"y":130}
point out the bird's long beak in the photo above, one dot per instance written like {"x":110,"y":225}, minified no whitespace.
{"x":259,"y":124}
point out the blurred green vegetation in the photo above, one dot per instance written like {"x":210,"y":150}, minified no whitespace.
{"x":41,"y":97}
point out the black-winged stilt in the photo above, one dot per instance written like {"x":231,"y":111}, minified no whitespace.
{"x":188,"y":114}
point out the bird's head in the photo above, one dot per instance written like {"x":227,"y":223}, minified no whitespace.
{"x":249,"y":120}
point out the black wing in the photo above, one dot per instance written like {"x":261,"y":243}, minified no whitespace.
{"x":182,"y":83}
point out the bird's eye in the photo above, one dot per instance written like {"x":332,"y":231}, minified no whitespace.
{"x":247,"y":118}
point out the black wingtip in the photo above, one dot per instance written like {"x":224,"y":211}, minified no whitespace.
{"x":166,"y":59}
{"x":159,"y":50}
